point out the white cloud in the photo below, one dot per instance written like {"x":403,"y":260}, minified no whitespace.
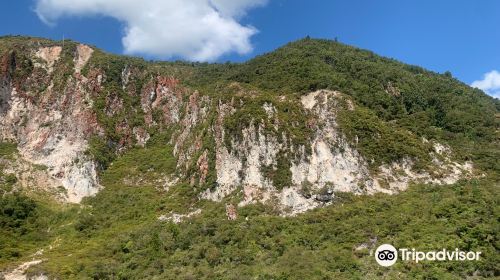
{"x":198,"y":30}
{"x":490,"y":84}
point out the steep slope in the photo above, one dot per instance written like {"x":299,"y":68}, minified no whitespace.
{"x":263,"y":128}
{"x":432,"y":105}
{"x":145,"y":146}
{"x":50,"y":121}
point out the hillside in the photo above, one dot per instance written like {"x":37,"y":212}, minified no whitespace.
{"x":118,"y":153}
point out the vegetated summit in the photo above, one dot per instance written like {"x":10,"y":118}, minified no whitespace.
{"x":303,"y":127}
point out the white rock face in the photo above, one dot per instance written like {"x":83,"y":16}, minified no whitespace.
{"x":178,"y":218}
{"x":53,"y":131}
{"x":262,"y":151}
{"x":49,"y":55}
{"x":53,"y":141}
{"x":28,"y":176}
{"x":332,"y":160}
{"x":228,"y":177}
{"x":228,"y":165}
{"x":292,"y":200}
{"x":332,"y":163}
{"x":269,"y":109}
{"x":83,"y":54}
{"x":243,"y":165}
{"x":343,"y":169}
{"x":398,"y":176}
{"x":20,"y":272}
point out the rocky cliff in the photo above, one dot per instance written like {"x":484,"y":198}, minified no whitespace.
{"x":75,"y":109}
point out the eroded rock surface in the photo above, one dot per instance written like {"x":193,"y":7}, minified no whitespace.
{"x":52,"y":129}
{"x":20,"y":272}
{"x":53,"y":120}
{"x":332,"y":162}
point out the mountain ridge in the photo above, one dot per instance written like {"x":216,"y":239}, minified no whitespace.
{"x":191,"y":170}
{"x":122,"y":98}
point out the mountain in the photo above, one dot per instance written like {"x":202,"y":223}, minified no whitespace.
{"x":102,"y":146}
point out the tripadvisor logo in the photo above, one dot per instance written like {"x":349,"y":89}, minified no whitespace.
{"x":387,"y":255}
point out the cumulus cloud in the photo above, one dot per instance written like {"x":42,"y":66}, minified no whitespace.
{"x":490,"y":83}
{"x":198,"y":30}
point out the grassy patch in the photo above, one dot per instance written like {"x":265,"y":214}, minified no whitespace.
{"x":7,"y":149}
{"x":141,"y":165}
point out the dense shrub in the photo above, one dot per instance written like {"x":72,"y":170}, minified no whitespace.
{"x":118,"y":236}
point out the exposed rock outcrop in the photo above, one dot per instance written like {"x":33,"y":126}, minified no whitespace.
{"x":332,"y":162}
{"x":52,"y":128}
{"x":7,"y":67}
{"x":20,"y":272}
{"x":52,"y":115}
{"x":83,"y":54}
{"x":178,"y":218}
{"x":231,"y":212}
{"x":48,"y":57}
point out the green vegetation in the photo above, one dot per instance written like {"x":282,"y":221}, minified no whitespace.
{"x":7,"y":149}
{"x":101,"y":151}
{"x":116,"y":109}
{"x":381,"y":142}
{"x":280,"y":175}
{"x":142,"y":165}
{"x":115,"y":235}
{"x":7,"y":180}
{"x":428,"y":104}
{"x":23,"y":226}
{"x":402,"y":97}
{"x":288,"y":117}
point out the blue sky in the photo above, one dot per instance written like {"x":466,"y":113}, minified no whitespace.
{"x":462,"y":36}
